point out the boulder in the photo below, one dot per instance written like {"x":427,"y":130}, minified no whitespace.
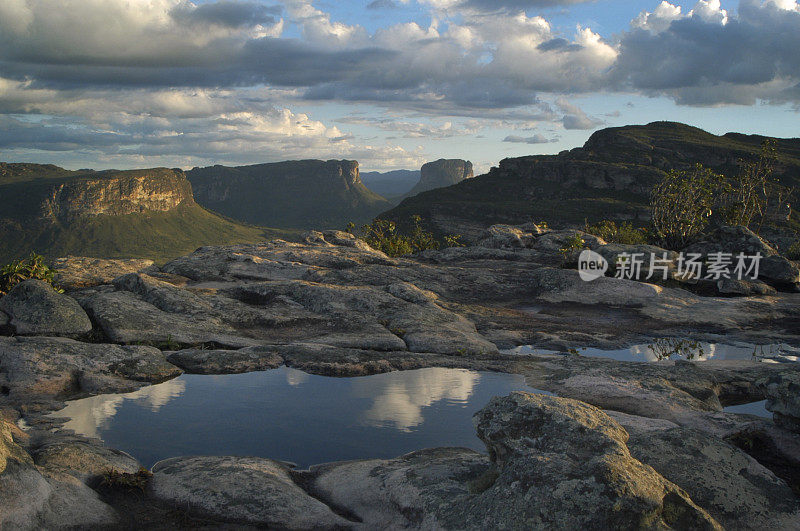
{"x":199,"y":361}
{"x":75,"y":272}
{"x":241,"y":490}
{"x":33,"y":498}
{"x":420,"y":490}
{"x":507,"y":237}
{"x":732,"y":286}
{"x":563,"y":463}
{"x":35,"y":308}
{"x":773,"y":268}
{"x":783,"y":398}
{"x":733,"y":487}
{"x":61,"y":367}
{"x":85,"y":459}
{"x":565,"y":285}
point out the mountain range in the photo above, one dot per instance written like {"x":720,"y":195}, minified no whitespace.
{"x":610,"y":177}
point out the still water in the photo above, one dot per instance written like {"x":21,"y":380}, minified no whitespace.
{"x":673,"y":349}
{"x":290,"y":415}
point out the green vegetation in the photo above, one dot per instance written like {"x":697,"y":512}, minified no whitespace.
{"x":682,"y":204}
{"x":623,"y":233}
{"x":572,"y":243}
{"x":18,"y":271}
{"x":383,"y":235}
{"x":753,"y":193}
{"x":793,"y":253}
{"x":160,"y":236}
{"x":114,"y":479}
{"x":624,"y":164}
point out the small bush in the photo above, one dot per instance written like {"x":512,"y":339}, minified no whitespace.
{"x":113,"y":479}
{"x":572,"y":243}
{"x":793,"y":252}
{"x":29,"y":268}
{"x":623,"y":233}
{"x":682,"y":204}
{"x":383,"y":235}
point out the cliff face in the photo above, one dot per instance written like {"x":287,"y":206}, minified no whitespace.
{"x":300,"y":194}
{"x":117,"y":194}
{"x":610,"y":177}
{"x":441,"y":173}
{"x":117,"y":214}
{"x":62,"y":196}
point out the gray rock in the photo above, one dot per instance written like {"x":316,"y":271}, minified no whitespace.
{"x":59,"y":367}
{"x":783,"y":398}
{"x":732,"y":286}
{"x":75,"y":272}
{"x":565,"y":285}
{"x":35,"y":308}
{"x":33,"y":498}
{"x":420,"y":490}
{"x":565,"y":464}
{"x":739,"y":492}
{"x":773,"y":268}
{"x":508,"y":237}
{"x":241,"y":490}
{"x":85,"y":459}
{"x":198,"y":361}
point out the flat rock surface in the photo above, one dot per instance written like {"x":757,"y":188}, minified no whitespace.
{"x":35,"y":308}
{"x":241,"y":489}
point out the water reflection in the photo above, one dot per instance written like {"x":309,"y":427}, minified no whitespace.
{"x":399,"y":401}
{"x":88,"y":415}
{"x":678,"y":348}
{"x":290,"y":415}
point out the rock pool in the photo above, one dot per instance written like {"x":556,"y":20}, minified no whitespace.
{"x":290,"y":415}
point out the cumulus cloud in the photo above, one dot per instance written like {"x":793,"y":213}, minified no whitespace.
{"x":707,"y":57}
{"x":195,"y":68}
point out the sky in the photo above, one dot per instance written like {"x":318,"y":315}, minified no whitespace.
{"x":391,"y":83}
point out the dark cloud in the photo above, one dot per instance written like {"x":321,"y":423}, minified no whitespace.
{"x":702,"y":62}
{"x":535,"y":139}
{"x":561,"y":45}
{"x":226,"y":13}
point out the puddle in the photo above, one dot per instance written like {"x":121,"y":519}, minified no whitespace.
{"x":673,"y":349}
{"x":759,"y":409}
{"x":290,"y":415}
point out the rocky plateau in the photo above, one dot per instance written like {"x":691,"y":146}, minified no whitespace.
{"x":618,"y":445}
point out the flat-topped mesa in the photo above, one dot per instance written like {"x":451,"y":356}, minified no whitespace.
{"x":117,"y":194}
{"x":441,"y":173}
{"x":302,"y":194}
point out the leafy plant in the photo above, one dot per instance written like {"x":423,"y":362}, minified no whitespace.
{"x":383,"y":235}
{"x":681,"y":205}
{"x":115,"y":479}
{"x":572,"y":243}
{"x":29,"y":268}
{"x":752,"y":194}
{"x":793,"y":252}
{"x":623,"y":233}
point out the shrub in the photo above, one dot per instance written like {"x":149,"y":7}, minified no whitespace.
{"x":572,"y":243}
{"x":113,"y":479}
{"x":29,"y":268}
{"x":793,"y":252}
{"x":624,"y":233}
{"x":383,"y":235}
{"x":753,"y":194}
{"x":681,"y":205}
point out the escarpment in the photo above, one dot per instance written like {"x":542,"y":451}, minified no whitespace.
{"x":300,"y":194}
